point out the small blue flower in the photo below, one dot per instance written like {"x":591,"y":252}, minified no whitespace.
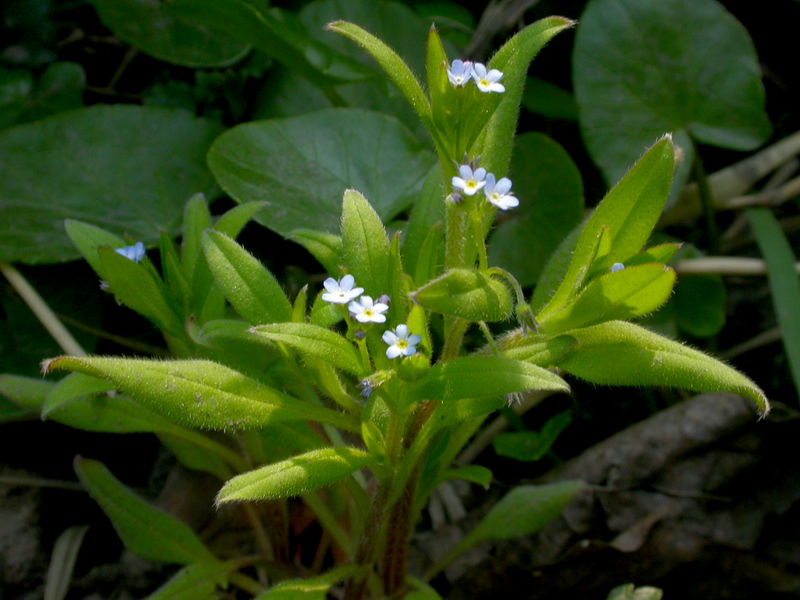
{"x":341,"y":292}
{"x":487,"y":82}
{"x":469,"y":181}
{"x":400,"y":342}
{"x":134,"y":253}
{"x":499,"y":193}
{"x":617,"y":267}
{"x":460,"y":72}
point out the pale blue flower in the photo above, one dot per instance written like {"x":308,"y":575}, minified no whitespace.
{"x":400,"y":342}
{"x":487,"y":82}
{"x":469,"y":181}
{"x":460,"y":72}
{"x":499,"y":193}
{"x":342,"y":291}
{"x":365,"y":311}
{"x":134,"y":253}
{"x":617,"y":267}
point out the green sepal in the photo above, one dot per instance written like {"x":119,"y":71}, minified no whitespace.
{"x":294,"y":476}
{"x":88,"y":238}
{"x":315,"y":341}
{"x":200,"y":393}
{"x":325,"y":247}
{"x":630,"y":211}
{"x":472,"y":473}
{"x":233,"y":221}
{"x":629,"y":293}
{"x":144,"y":529}
{"x":620,"y":353}
{"x":246,"y":283}
{"x":196,"y":582}
{"x":466,"y":293}
{"x":365,"y":247}
{"x":140,"y":289}
{"x":479,"y":376}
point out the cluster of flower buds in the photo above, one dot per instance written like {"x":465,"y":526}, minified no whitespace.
{"x":365,"y":310}
{"x":462,"y":72}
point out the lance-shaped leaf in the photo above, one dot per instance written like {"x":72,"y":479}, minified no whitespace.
{"x":196,"y":219}
{"x":513,"y":60}
{"x":144,"y":529}
{"x":195,"y":582}
{"x":365,"y":247}
{"x":626,"y":294}
{"x":73,"y":386}
{"x":296,"y":475}
{"x":247,"y":284}
{"x":200,"y":393}
{"x":394,"y":66}
{"x":466,"y":293}
{"x":479,"y":376}
{"x":531,"y":348}
{"x":138,"y":288}
{"x":310,"y":588}
{"x":620,"y":353}
{"x":629,"y":211}
{"x":316,"y":341}
{"x":88,"y":238}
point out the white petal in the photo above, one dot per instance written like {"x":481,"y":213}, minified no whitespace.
{"x":393,"y":352}
{"x":331,"y":285}
{"x":465,"y":171}
{"x":503,"y":186}
{"x":402,"y":331}
{"x":390,"y":338}
{"x":480,"y":174}
{"x":410,"y":351}
{"x":347,"y":283}
{"x":414,"y":339}
{"x":378,"y":319}
{"x":380,"y":307}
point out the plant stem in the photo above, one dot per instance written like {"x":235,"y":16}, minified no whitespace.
{"x":707,"y":200}
{"x":246,"y":583}
{"x":366,"y":555}
{"x":328,"y":521}
{"x":398,"y":534}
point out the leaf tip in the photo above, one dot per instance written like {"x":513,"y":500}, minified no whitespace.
{"x":47,"y":365}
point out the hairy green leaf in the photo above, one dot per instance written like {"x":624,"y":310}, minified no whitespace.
{"x":466,"y":293}
{"x":365,"y":247}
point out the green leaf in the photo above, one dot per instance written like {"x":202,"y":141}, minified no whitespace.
{"x":129,"y":167}
{"x":478,"y":376}
{"x":783,"y":283}
{"x":15,"y":87}
{"x":295,"y":476}
{"x":395,"y":68}
{"x":620,"y":353}
{"x":642,"y":68}
{"x":73,"y":386}
{"x":137,"y":288}
{"x":233,"y":221}
{"x":246,"y":283}
{"x":534,"y":349}
{"x":466,"y":293}
{"x":530,"y":446}
{"x":700,"y":304}
{"x":144,"y":529}
{"x":427,"y":212}
{"x":62,"y":562}
{"x":195,"y":582}
{"x":551,"y":205}
{"x":88,"y":238}
{"x":196,"y":219}
{"x":500,"y":114}
{"x":155,"y":29}
{"x":472,"y":473}
{"x":365,"y":247}
{"x":310,"y":588}
{"x":300,"y":166}
{"x":200,"y":393}
{"x":632,"y":292}
{"x":59,"y":88}
{"x":522,"y":512}
{"x":326,"y":248}
{"x":629,"y":212}
{"x":544,"y":98}
{"x":315,"y":341}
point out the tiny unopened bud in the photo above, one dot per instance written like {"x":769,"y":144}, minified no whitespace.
{"x":385,"y":299}
{"x":366,"y":388}
{"x":360,"y":335}
{"x":617,"y":267}
{"x":455,"y":198}
{"x":105,"y":286}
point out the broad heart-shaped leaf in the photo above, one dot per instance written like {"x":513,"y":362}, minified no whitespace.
{"x":58,"y":89}
{"x":155,"y":29}
{"x":621,"y":353}
{"x":466,"y":293}
{"x":195,"y":582}
{"x":144,"y":529}
{"x":200,"y":393}
{"x":295,"y":476}
{"x":628,"y":213}
{"x":365,"y":248}
{"x":642,"y":68}
{"x":128,"y":167}
{"x":626,"y":294}
{"x":300,"y":166}
{"x":551,"y":204}
{"x":523,"y":511}
{"x":246,"y":283}
{"x":479,"y":376}
{"x":315,"y":341}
